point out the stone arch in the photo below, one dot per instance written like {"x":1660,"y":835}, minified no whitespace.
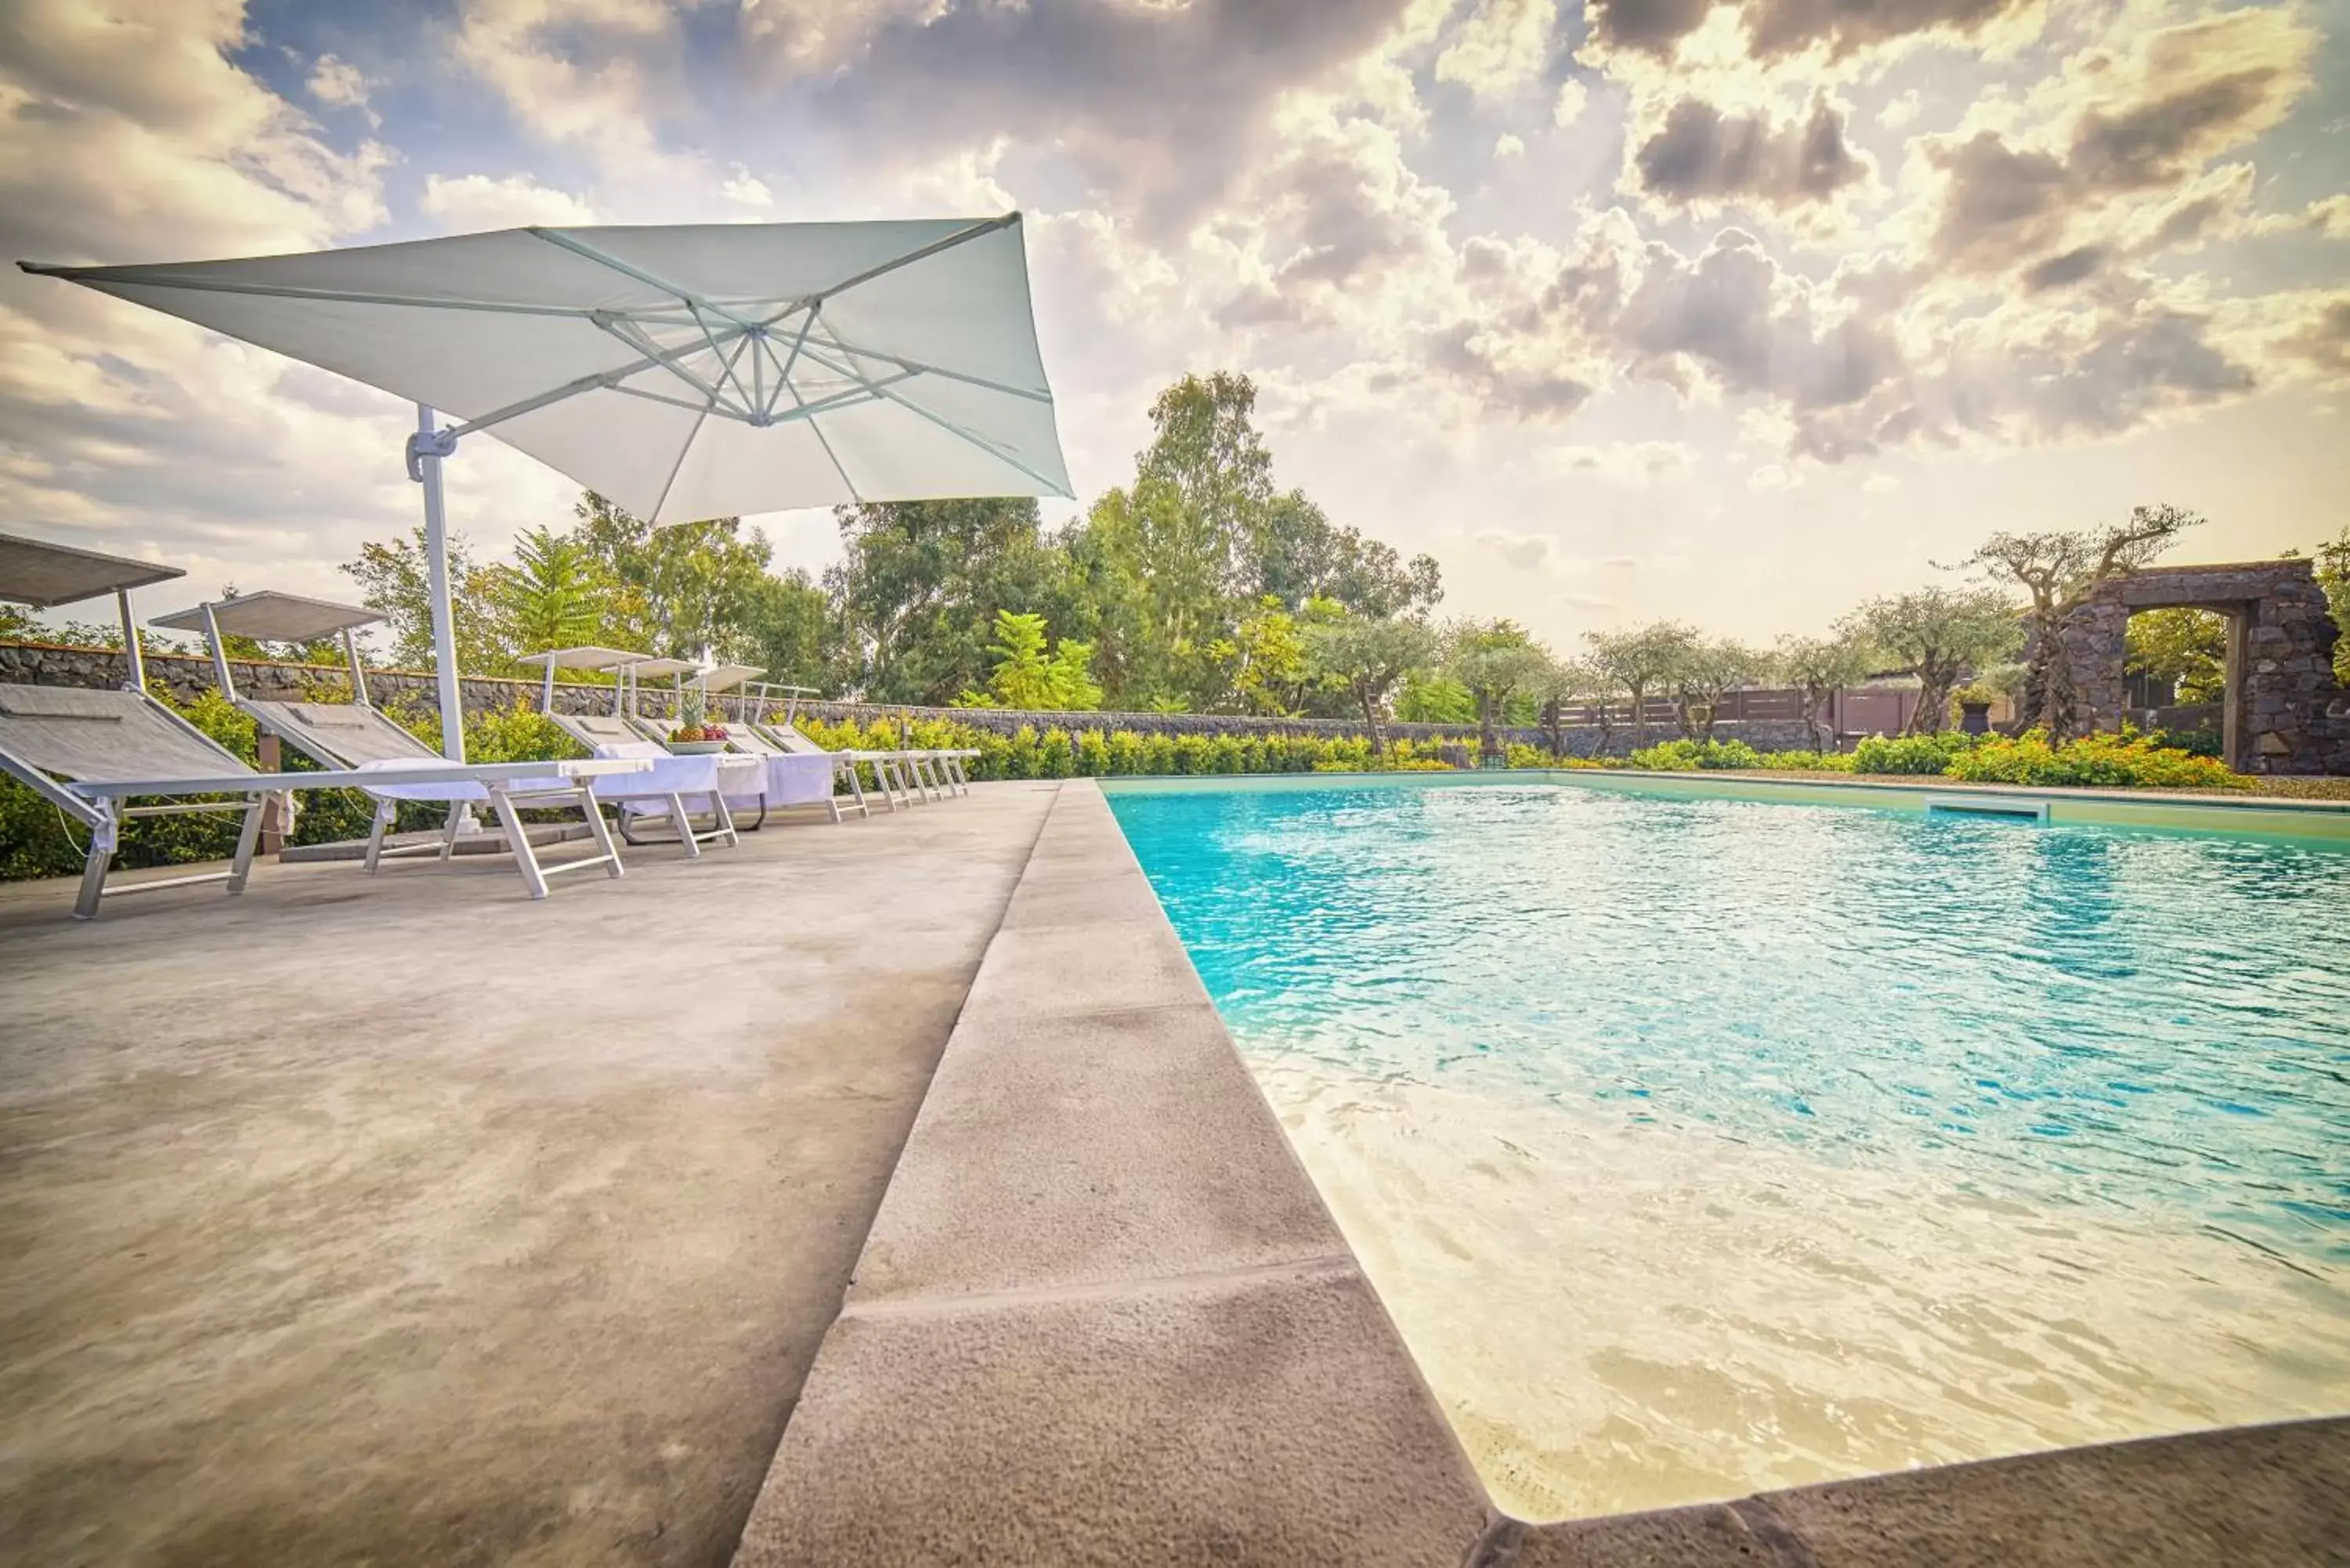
{"x":2284,"y":713}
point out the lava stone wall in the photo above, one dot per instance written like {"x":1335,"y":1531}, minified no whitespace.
{"x":2290,"y":715}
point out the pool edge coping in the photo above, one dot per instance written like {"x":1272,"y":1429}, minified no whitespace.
{"x":2274,"y":816}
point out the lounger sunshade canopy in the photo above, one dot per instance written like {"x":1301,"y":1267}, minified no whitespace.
{"x":685,"y":371}
{"x":271,"y":617}
{"x":36,"y":573}
{"x":726,"y":677}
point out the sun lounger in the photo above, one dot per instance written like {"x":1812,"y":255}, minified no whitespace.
{"x":103,"y":758}
{"x":725,"y":781}
{"x":95,"y":755}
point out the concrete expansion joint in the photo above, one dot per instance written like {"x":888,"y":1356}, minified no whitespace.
{"x":944,"y":1305}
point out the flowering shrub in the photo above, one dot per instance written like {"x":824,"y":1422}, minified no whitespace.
{"x":1689,"y":756}
{"x":1916,"y":754}
{"x":2127,"y":760}
{"x":1809,"y":762}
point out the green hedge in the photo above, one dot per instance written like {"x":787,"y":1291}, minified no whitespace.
{"x":1058,"y":752}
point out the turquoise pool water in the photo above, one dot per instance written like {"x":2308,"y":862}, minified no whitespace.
{"x":1702,"y":1145}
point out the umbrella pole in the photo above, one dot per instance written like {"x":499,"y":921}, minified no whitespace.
{"x":426,"y":450}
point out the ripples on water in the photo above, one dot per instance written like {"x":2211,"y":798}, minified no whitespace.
{"x":1701,"y":1146}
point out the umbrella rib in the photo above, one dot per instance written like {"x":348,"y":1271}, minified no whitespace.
{"x":686,"y":295}
{"x":903,"y":363}
{"x":881,"y":390}
{"x":922,"y":252}
{"x":686,"y":446}
{"x":97,"y":276}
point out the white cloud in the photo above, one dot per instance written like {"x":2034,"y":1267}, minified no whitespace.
{"x":1508,"y":146}
{"x":469,"y":202}
{"x":338,"y":84}
{"x":1770,"y":476}
{"x":1572,"y":98}
{"x":1500,"y":47}
{"x":1902,"y":111}
{"x":745,"y":190}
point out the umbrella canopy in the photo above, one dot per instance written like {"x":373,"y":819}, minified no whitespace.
{"x":684,"y":370}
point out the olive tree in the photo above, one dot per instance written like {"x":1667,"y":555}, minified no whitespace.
{"x":1820,"y":667}
{"x":1938,"y":635}
{"x":1496,"y":661}
{"x":1710,"y":671}
{"x":1643,"y":659}
{"x":1368,"y":656}
{"x":2058,"y":570}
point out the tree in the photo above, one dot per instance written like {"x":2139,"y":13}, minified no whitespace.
{"x":1368,"y":655}
{"x":2185,"y":646}
{"x":683,"y":587}
{"x":2058,"y":570}
{"x":789,"y":629}
{"x":1432,"y":697}
{"x":1820,"y":667}
{"x":1266,"y":658}
{"x":556,"y":596}
{"x":1496,"y":660}
{"x":1300,"y":555}
{"x":1637,"y":662}
{"x":921,"y":582}
{"x":393,"y":582}
{"x":1709,"y":671}
{"x":1938,"y":635}
{"x":1565,"y":680}
{"x":1029,"y":675}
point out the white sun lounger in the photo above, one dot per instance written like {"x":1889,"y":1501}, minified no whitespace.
{"x":93,"y":754}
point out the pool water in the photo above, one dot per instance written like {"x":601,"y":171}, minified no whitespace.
{"x":1700,"y":1147}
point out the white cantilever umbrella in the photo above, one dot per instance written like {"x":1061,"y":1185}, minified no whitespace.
{"x":686,"y":371}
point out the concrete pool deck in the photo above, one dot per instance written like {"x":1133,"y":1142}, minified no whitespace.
{"x":318,"y":1256}
{"x":405,"y":1220}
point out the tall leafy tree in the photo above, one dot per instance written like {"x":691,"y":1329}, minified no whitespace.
{"x":1938,"y":635}
{"x":393,"y":582}
{"x":2058,"y":570}
{"x":921,"y":582}
{"x":688,"y":583}
{"x":789,"y":629}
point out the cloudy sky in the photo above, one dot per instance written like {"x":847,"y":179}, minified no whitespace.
{"x":1736,"y":313}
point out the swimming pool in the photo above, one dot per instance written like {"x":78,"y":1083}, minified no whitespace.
{"x":1703,"y":1145}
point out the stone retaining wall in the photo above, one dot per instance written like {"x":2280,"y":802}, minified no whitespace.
{"x":185,"y":676}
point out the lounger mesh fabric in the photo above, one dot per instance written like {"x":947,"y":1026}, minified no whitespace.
{"x":341,"y":734}
{"x":103,"y":736}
